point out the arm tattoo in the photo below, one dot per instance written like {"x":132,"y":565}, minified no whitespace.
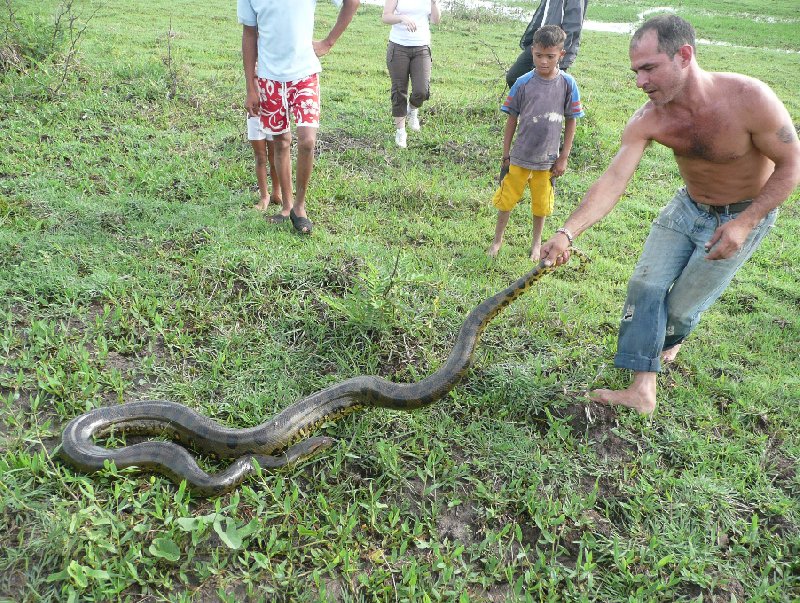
{"x":786,"y":134}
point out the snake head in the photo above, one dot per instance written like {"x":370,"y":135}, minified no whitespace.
{"x":318,"y":444}
{"x":307,"y":448}
{"x":294,"y":454}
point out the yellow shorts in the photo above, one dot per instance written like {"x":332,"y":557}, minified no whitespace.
{"x":513,"y":185}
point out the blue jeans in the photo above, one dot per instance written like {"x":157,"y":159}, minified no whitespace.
{"x":673,"y":284}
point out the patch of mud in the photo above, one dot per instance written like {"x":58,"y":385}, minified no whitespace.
{"x":607,"y":486}
{"x":209,"y":593}
{"x":12,"y":585}
{"x":335,"y":590}
{"x":785,"y":468}
{"x":460,"y":153}
{"x":338,"y":141}
{"x":495,"y":593}
{"x":460,"y":523}
{"x":190,"y":242}
{"x":361,"y":470}
{"x":729,"y":590}
{"x":597,"y":422}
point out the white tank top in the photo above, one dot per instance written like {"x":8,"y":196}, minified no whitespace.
{"x":420,"y":12}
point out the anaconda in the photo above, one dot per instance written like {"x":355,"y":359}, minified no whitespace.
{"x":278,"y":441}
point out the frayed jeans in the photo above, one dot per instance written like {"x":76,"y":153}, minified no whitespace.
{"x":673,"y":284}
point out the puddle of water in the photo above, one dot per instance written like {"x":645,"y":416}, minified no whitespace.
{"x":520,"y":14}
{"x":620,"y":28}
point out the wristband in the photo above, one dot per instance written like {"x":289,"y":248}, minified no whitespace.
{"x":564,"y":231}
{"x":506,"y":157}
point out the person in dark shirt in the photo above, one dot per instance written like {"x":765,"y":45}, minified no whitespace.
{"x":567,"y":14}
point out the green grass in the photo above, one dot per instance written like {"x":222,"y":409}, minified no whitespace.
{"x":132,"y":267}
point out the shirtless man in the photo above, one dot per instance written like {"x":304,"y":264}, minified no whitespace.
{"x":739,"y":157}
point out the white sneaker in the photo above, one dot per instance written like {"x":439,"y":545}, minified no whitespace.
{"x":400,"y":138}
{"x":413,"y":119}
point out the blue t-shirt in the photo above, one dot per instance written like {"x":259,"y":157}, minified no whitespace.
{"x":285,"y":37}
{"x":541,"y":106}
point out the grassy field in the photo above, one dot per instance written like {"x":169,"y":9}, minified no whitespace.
{"x":132,"y":266}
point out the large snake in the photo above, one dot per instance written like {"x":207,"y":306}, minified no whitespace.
{"x":281,"y":433}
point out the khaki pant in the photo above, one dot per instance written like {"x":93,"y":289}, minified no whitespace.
{"x":406,"y":62}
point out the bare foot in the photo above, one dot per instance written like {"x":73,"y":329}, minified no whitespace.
{"x":535,"y":253}
{"x":669,"y":354}
{"x":493,"y":250}
{"x":262,"y":205}
{"x":639,"y":395}
{"x":623,"y":397}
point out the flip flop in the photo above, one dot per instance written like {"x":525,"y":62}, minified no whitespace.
{"x":277,"y":219}
{"x":301,"y":224}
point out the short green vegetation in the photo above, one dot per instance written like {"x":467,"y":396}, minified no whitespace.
{"x":132,"y":266}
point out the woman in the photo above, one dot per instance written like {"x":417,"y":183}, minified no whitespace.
{"x":409,"y":56}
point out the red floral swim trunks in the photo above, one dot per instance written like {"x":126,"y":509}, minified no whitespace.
{"x":300,"y":97}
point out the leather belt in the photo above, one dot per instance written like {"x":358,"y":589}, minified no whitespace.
{"x":733,"y":208}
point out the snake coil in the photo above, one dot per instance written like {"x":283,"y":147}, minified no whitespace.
{"x":264,"y":443}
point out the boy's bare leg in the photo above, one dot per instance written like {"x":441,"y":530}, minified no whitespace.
{"x":536,"y":244}
{"x":283,"y":166}
{"x":276,"y":196}
{"x":639,"y":395}
{"x":502,"y":222}
{"x":306,"y":140}
{"x":260,"y":153}
{"x":669,"y":354}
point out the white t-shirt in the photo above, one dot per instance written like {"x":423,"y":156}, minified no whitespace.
{"x":285,"y":37}
{"x":420,"y":12}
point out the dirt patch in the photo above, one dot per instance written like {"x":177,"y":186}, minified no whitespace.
{"x":530,"y":533}
{"x":334,"y":590}
{"x":338,"y":141}
{"x":117,"y":361}
{"x":461,"y":153}
{"x":732,"y":590}
{"x":597,"y":422}
{"x":361,"y":470}
{"x":785,"y":468}
{"x":12,"y":585}
{"x":497,"y":593}
{"x":460,"y":523}
{"x":607,"y":486}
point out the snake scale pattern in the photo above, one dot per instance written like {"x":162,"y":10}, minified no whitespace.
{"x":283,"y":439}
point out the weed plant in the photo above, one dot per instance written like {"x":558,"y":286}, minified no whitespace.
{"x":132,"y":267}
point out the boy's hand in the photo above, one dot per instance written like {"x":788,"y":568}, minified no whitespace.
{"x":252,"y":103}
{"x":322,"y":47}
{"x":504,"y":165}
{"x":559,"y":167}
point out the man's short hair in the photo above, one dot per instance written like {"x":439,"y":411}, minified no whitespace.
{"x":549,"y":35}
{"x":672,"y":31}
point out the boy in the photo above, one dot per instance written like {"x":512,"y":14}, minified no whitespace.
{"x":278,"y":39}
{"x":264,"y":152}
{"x":539,"y":102}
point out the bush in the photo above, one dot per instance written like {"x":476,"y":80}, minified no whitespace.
{"x":26,"y":42}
